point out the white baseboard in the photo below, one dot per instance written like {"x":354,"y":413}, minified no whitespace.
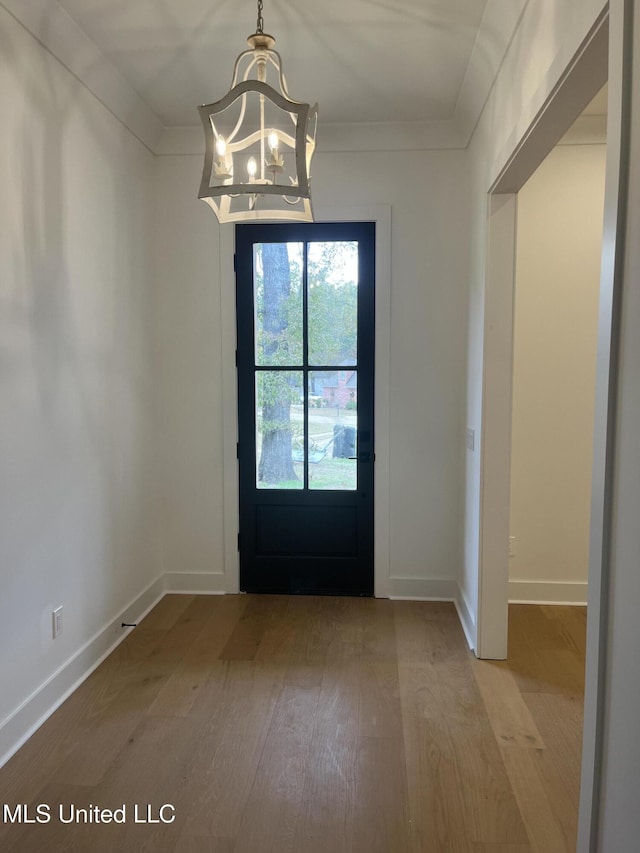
{"x":466,"y":619}
{"x":18,"y":727}
{"x":195,"y":583}
{"x":548,"y":592}
{"x":422,"y":589}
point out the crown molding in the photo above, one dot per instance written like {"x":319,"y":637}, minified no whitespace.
{"x":333,"y":138}
{"x":59,"y":34}
{"x":390,"y":136}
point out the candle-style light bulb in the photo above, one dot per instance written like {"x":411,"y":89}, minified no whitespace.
{"x":222,"y":168}
{"x":252,"y":167}
{"x":275,"y":161}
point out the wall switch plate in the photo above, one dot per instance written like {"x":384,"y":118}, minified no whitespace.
{"x":471,"y":439}
{"x":512,"y":546}
{"x":57,"y":622}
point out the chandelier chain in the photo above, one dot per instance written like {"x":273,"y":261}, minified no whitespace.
{"x":260,"y":24}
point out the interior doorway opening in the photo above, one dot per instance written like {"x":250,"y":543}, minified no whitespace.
{"x":560,"y":213}
{"x":580,"y":84}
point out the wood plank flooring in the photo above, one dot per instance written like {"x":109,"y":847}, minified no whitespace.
{"x":314,"y":725}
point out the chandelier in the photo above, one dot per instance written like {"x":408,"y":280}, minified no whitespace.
{"x":259,"y":142}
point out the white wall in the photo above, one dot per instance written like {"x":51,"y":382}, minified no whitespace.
{"x":558,"y":249}
{"x":189,"y":365}
{"x":427,"y":192}
{"x":76,"y":314}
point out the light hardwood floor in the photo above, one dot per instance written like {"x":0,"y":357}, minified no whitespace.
{"x":302,"y":724}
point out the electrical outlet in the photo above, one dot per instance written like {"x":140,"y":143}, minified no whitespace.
{"x":57,"y":622}
{"x":512,"y":546}
{"x":470,"y":439}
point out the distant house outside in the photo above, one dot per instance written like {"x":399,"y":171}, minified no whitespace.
{"x":341,"y":388}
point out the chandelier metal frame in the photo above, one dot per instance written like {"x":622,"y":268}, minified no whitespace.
{"x":259,"y":169}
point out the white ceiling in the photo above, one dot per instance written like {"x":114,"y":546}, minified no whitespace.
{"x":361,"y":60}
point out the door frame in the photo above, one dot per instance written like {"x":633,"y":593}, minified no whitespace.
{"x":581,"y":81}
{"x":381,"y":215}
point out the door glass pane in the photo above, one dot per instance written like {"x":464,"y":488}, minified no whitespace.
{"x":332,"y":269}
{"x":333,"y":425}
{"x":277,"y":299}
{"x":279,"y":430}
